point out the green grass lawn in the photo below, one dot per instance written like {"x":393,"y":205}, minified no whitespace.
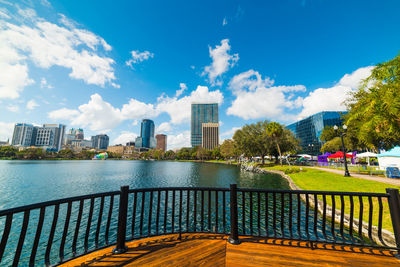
{"x":311,"y":179}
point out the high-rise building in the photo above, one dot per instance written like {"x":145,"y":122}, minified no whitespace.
{"x":146,"y":138}
{"x":161,"y":142}
{"x":24,"y":135}
{"x":50,"y":136}
{"x":309,"y":129}
{"x":77,"y":133}
{"x":202,"y":113}
{"x":210,"y":135}
{"x":100,"y":141}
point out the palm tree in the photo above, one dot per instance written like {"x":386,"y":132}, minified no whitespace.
{"x":275,"y":132}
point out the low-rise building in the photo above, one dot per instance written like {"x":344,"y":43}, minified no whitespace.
{"x":210,"y":135}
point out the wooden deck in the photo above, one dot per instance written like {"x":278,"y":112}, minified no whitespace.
{"x":214,"y":250}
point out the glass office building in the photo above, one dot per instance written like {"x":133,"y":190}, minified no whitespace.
{"x":309,"y":129}
{"x":147,"y":134}
{"x":202,"y":113}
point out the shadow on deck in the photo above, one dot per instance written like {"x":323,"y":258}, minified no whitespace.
{"x":214,"y":250}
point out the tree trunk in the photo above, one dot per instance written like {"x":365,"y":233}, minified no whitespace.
{"x":262,"y":159}
{"x":279,"y":151}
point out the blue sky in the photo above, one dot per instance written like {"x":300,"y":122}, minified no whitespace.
{"x":105,"y":65}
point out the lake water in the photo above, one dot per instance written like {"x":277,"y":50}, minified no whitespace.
{"x":27,"y":182}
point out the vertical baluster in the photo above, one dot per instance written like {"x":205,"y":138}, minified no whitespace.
{"x":195,"y":211}
{"x":99,"y":218}
{"x":134,"y":214}
{"x":6,"y":233}
{"x":299,"y":216}
{"x":282,"y":215}
{"x":202,"y":211}
{"x":274,"y":213}
{"x":251,"y":213}
{"x":165,"y":211}
{"x":342,"y":204}
{"x":150,"y":213}
{"x":333,"y":218}
{"x":244,"y":212}
{"x":307,"y":216}
{"x":21,"y":238}
{"x":223,"y":212}
{"x":351,"y":217}
{"x":216,"y":211}
{"x":371,"y":208}
{"x":266,"y":215}
{"x":324,"y":216}
{"x":142,"y":213}
{"x":51,"y":236}
{"x":315,"y":216}
{"x":180,"y":211}
{"x":259,"y":213}
{"x":209,"y":210}
{"x":77,"y":226}
{"x":89,"y":222}
{"x":380,"y":221}
{"x":360,"y":218}
{"x":158,"y":211}
{"x":38,"y":233}
{"x":290,"y":216}
{"x":187,"y":210}
{"x":109,"y":216}
{"x":173,"y":211}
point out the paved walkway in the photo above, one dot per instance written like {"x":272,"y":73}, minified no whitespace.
{"x":386,"y":180}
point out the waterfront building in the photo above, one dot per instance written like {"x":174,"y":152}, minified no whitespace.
{"x":100,"y":141}
{"x":309,"y":130}
{"x":146,"y":138}
{"x":130,"y":143}
{"x":78,"y":143}
{"x":24,"y":134}
{"x":161,"y":142}
{"x":202,"y":113}
{"x":50,"y":136}
{"x":210,"y":135}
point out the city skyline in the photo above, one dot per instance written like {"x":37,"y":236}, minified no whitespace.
{"x":104,"y":71}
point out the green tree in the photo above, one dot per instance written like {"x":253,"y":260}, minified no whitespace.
{"x":275,"y":132}
{"x":228,"y":149}
{"x":328,"y":133}
{"x":8,"y":152}
{"x":375,"y":107}
{"x":252,"y":140}
{"x":170,"y":154}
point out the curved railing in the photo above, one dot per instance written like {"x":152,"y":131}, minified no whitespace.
{"x":54,"y":232}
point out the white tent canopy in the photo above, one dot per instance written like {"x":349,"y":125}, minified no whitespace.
{"x":366,"y":155}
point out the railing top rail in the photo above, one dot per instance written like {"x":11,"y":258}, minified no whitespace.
{"x":55,"y":202}
{"x":178,"y":188}
{"x":311,"y":192}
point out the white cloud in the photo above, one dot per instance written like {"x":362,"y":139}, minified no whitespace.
{"x":63,"y":114}
{"x":6,"y":131}
{"x":163,"y":128}
{"x":258,"y":98}
{"x":224,"y":21}
{"x":179,"y":140}
{"x":3,"y":14}
{"x":183,"y":87}
{"x":13,"y":108}
{"x":124,"y":138}
{"x":332,"y":98}
{"x":231,"y":132}
{"x":45,"y":3}
{"x":136,"y":109}
{"x":222,"y":61}
{"x":31,"y":104}
{"x":138,"y":57}
{"x":47,"y":44}
{"x":45,"y":84}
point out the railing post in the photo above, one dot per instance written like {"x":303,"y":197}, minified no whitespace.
{"x":394,"y":206}
{"x":122,"y":217}
{"x":234,"y":237}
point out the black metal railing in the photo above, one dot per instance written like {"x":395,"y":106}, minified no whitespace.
{"x":56,"y":231}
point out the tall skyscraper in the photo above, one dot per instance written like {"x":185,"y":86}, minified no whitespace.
{"x":100,"y":141}
{"x":161,"y":142}
{"x":24,"y":135}
{"x":146,"y":138}
{"x":309,"y":129}
{"x":202,"y":113}
{"x":210,"y":135}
